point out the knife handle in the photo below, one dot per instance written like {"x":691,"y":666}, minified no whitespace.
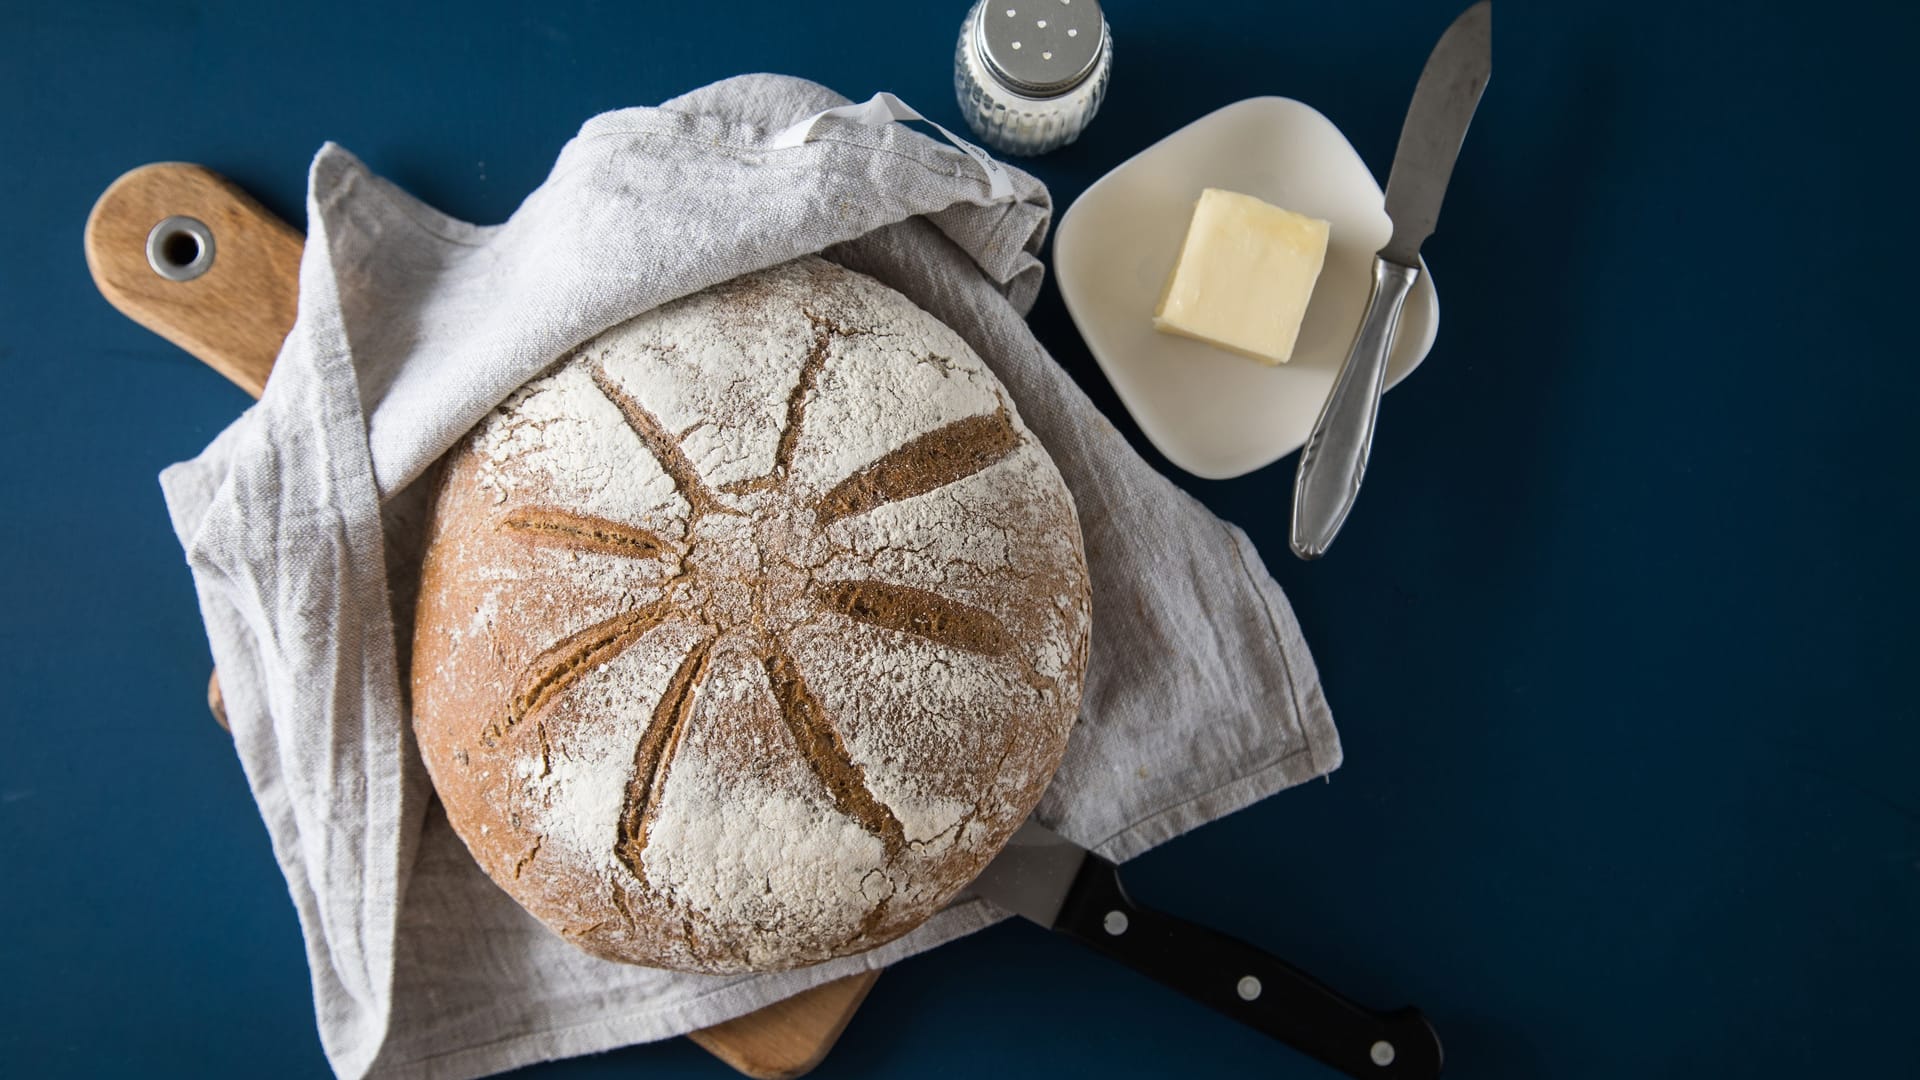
{"x":1257,"y":989}
{"x":1335,"y":456}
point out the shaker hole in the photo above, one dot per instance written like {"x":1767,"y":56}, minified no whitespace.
{"x":1073,"y":32}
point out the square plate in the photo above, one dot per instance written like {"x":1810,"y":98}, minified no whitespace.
{"x":1215,"y":414}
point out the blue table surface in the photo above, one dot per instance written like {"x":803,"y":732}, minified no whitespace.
{"x":1617,"y":637}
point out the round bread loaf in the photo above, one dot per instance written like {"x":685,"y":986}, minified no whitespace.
{"x":751,"y":631}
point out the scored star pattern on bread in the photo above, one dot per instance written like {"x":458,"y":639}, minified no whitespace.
{"x":924,"y":463}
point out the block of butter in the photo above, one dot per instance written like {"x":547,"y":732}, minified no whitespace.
{"x":1244,"y":277}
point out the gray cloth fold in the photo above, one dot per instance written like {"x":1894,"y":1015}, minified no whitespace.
{"x":302,"y":522}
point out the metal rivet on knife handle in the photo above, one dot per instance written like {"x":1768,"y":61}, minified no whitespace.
{"x":1116,"y":923}
{"x":1381,"y":1053}
{"x":1248,"y":988}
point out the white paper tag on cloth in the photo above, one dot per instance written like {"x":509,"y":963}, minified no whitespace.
{"x":885,"y":108}
{"x":1200,"y":694}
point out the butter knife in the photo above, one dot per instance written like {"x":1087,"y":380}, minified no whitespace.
{"x":1335,"y":455}
{"x":1042,"y":876}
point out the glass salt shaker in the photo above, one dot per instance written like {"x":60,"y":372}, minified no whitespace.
{"x":1030,"y":74}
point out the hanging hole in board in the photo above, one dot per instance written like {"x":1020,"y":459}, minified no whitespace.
{"x":180,"y":248}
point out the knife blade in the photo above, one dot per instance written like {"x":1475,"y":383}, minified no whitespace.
{"x":1334,"y":459}
{"x":1048,"y":879}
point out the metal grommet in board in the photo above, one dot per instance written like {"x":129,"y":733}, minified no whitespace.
{"x":180,"y":248}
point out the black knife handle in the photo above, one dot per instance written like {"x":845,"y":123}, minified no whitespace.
{"x":1246,"y":983}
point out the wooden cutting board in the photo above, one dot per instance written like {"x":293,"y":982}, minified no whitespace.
{"x":233,"y":314}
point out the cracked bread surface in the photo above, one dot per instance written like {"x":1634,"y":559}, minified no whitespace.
{"x":751,"y":630}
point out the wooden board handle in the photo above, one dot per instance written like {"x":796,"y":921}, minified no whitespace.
{"x":788,"y":1038}
{"x":234,"y":315}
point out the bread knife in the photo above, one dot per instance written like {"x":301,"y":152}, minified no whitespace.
{"x":1044,"y":877}
{"x":1335,"y":455}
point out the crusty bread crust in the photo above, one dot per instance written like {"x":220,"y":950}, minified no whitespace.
{"x":749,"y":632}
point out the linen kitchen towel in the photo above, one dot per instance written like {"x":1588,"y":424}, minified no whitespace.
{"x":302,"y":524}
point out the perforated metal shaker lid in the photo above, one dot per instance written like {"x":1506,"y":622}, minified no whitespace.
{"x":1040,"y":48}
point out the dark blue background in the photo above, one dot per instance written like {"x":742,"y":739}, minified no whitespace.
{"x":1617,"y":638}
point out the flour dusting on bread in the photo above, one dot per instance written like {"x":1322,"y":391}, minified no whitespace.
{"x":750,"y":631}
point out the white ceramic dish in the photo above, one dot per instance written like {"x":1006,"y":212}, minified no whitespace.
{"x":1215,"y":414}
